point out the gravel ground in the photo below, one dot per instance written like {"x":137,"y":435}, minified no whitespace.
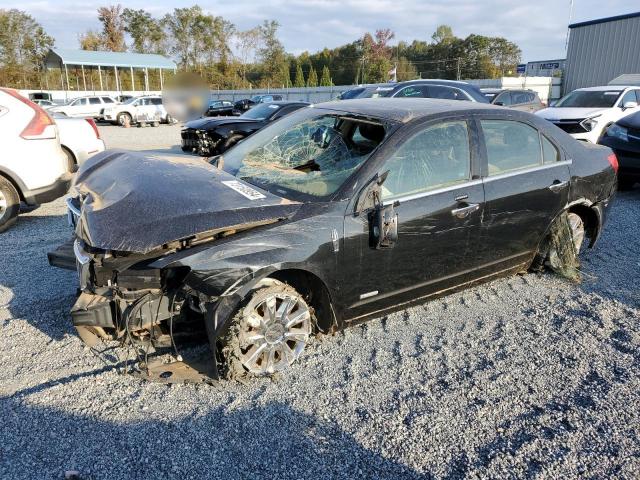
{"x":523,"y":377}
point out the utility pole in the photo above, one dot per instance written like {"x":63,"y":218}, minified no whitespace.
{"x":458,"y":68}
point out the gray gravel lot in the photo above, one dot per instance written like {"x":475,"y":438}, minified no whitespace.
{"x":524,"y":377}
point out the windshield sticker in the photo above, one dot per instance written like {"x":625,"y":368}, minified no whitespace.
{"x":244,"y":190}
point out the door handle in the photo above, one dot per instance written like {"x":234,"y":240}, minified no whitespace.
{"x":465,"y":211}
{"x":557,"y":186}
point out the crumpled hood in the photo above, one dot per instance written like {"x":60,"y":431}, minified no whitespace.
{"x":133,"y":203}
{"x":212,"y":122}
{"x":558,"y":113}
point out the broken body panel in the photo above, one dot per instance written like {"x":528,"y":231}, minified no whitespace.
{"x":196,"y":253}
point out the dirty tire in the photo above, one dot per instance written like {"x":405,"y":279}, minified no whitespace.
{"x":121,"y":118}
{"x":231,"y":141}
{"x":565,"y":242}
{"x":268,"y":333}
{"x":9,"y":204}
{"x":71,"y":161}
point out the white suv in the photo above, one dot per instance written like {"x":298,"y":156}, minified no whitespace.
{"x":85,"y":107}
{"x":586,"y":113}
{"x":33,"y":167}
{"x":134,"y":108}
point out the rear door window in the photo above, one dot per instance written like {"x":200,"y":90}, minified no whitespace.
{"x":95,"y":101}
{"x":414,"y":91}
{"x":447,"y":93}
{"x":107,"y":100}
{"x":510,"y":146}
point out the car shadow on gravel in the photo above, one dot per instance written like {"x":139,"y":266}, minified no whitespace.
{"x":262,"y":441}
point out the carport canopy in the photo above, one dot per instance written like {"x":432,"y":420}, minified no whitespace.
{"x":64,"y":58}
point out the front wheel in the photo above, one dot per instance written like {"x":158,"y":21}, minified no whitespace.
{"x":123,"y":118}
{"x":231,"y":141}
{"x":9,"y":204}
{"x":268,"y":333}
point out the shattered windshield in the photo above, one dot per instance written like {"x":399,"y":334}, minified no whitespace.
{"x":311,"y":152}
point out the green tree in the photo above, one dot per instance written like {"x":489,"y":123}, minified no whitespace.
{"x":112,"y":28}
{"x":91,"y":40}
{"x":147,"y":32}
{"x":23,"y":47}
{"x":299,"y":79}
{"x":312,"y":79}
{"x":272,"y":55}
{"x":325,"y":79}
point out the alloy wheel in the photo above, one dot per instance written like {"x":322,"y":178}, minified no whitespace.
{"x":3,"y":204}
{"x":273,"y":332}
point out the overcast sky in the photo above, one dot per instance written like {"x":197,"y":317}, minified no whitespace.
{"x":537,"y":26}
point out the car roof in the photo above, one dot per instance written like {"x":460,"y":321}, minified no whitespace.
{"x":288,"y":102}
{"x":608,"y":88}
{"x":403,"y":110}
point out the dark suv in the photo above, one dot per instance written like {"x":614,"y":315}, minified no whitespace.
{"x":443,"y":89}
{"x":525,"y":100}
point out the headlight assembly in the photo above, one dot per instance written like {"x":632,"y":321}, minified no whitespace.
{"x":589,"y":123}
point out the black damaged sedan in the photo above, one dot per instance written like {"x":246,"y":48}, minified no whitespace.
{"x":212,"y":136}
{"x":332,"y":215}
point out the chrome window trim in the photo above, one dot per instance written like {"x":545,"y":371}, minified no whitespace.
{"x":435,"y":191}
{"x":526,"y":170}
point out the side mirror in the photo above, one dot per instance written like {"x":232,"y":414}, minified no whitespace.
{"x":217,"y":161}
{"x":626,"y":105}
{"x":383,"y":227}
{"x":383,"y":220}
{"x":500,"y":104}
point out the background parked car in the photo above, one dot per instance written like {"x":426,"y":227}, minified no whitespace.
{"x":525,"y":100}
{"x":624,"y":138}
{"x":44,"y":103}
{"x":79,"y":138}
{"x":212,"y":136}
{"x":135,"y":108}
{"x":85,"y":107}
{"x":586,"y":113}
{"x":219,"y":107}
{"x":444,"y":89}
{"x":243,"y":105}
{"x":367,"y":91}
{"x":33,"y":166}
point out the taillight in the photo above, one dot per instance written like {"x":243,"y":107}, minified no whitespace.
{"x":94,"y":126}
{"x":613,"y":161}
{"x":38,"y":127}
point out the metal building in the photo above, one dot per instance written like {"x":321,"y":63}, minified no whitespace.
{"x":600,"y":50}
{"x":124,"y":66}
{"x":545,"y":68}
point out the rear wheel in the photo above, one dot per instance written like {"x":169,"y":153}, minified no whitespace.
{"x":9,"y":204}
{"x":269,"y":332}
{"x":560,"y":248}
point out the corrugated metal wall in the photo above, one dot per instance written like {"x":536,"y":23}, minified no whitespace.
{"x":600,"y":52}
